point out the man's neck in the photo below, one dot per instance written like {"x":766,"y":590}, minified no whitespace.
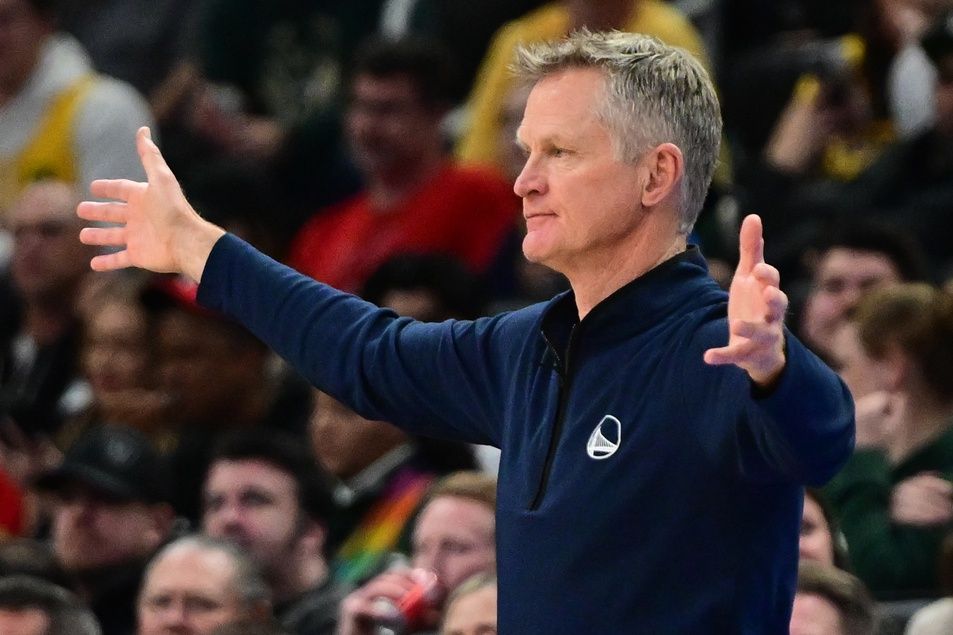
{"x":924,"y":420}
{"x":600,"y":277}
{"x":389,"y":188}
{"x":307,"y":573}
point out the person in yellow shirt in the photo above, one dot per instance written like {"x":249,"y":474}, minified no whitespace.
{"x":481,"y":140}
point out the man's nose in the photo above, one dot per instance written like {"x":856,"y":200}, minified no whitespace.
{"x":530,"y":180}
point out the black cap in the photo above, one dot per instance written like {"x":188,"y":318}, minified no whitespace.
{"x":116,"y":461}
{"x":937,"y":42}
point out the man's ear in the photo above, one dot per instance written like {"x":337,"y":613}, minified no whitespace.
{"x":897,"y":366}
{"x":665,"y":167}
{"x":312,"y":534}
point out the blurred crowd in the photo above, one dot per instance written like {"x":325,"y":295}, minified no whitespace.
{"x":161,"y":471}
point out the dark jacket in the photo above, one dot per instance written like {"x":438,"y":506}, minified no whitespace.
{"x":640,"y":490}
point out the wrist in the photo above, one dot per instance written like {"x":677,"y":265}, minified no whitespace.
{"x":195,"y":250}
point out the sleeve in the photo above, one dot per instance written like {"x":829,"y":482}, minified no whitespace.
{"x":106,"y":132}
{"x":888,"y":557}
{"x":803,"y":429}
{"x":445,"y":380}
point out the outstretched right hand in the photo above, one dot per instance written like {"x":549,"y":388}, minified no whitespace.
{"x":158,"y":229}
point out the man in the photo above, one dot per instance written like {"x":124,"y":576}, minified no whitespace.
{"x":830,"y":601}
{"x":197,"y":584}
{"x":215,"y":377}
{"x":852,"y":260}
{"x":109,"y":517}
{"x":39,"y":345}
{"x":453,"y":540}
{"x":264,"y":493}
{"x":31,"y":606}
{"x":626,"y":454}
{"x":58,"y":118}
{"x":415,"y":199}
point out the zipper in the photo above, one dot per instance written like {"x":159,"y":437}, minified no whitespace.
{"x":565,"y":381}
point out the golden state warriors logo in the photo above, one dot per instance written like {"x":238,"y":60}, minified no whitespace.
{"x":605,"y":439}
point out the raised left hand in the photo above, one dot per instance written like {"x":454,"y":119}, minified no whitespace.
{"x":756,"y":307}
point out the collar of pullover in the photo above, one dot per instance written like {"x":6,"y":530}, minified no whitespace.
{"x":647,"y":300}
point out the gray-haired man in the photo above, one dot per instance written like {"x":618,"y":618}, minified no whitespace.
{"x":651,"y":476}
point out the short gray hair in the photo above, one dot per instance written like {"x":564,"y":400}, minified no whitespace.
{"x":249,"y":584}
{"x":655,"y":94}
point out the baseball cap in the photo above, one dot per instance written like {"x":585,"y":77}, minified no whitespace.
{"x":117,"y":461}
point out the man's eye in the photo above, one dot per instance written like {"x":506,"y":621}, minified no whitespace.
{"x":833,"y":286}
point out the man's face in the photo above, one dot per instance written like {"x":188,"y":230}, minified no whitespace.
{"x":190,"y":591}
{"x":862,"y":373}
{"x":581,"y":203}
{"x":22,"y":34}
{"x":199,"y":367}
{"x":115,"y":347}
{"x":387,"y":124}
{"x":454,"y":537}
{"x":254,"y":505}
{"x":814,"y":615}
{"x":472,"y":614}
{"x":843,"y":276}
{"x":48,"y":260}
{"x":346,"y":443}
{"x":91,"y":531}
{"x":815,"y":543}
{"x":23,"y":622}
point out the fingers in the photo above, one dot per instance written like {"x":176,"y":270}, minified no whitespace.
{"x":751,"y":244}
{"x":119,"y":189}
{"x":776,"y":305}
{"x":110,"y":262}
{"x":766,"y":274}
{"x":152,"y":160}
{"x":103,"y":236}
{"x":104,"y":212}
{"x":748,"y":341}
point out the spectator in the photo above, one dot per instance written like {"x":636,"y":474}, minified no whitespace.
{"x":894,"y":495}
{"x":109,"y":517}
{"x":471,"y":608}
{"x":830,"y":601}
{"x":118,"y":359}
{"x":39,"y":365}
{"x":821,"y":540}
{"x":58,"y":118}
{"x":196,"y":584}
{"x":383,"y":474}
{"x":214,"y":376}
{"x":31,"y":606}
{"x":264,"y":492}
{"x":481,"y":141}
{"x":854,"y":258}
{"x":453,"y":538}
{"x":415,"y":199}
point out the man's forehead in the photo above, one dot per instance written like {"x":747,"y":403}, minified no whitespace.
{"x":47,"y":205}
{"x":249,"y":474}
{"x":857,"y":262}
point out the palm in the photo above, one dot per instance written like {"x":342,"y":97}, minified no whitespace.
{"x":158,"y":229}
{"x":756,"y":308}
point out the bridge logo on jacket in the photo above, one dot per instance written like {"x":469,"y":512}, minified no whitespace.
{"x":605,"y":439}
